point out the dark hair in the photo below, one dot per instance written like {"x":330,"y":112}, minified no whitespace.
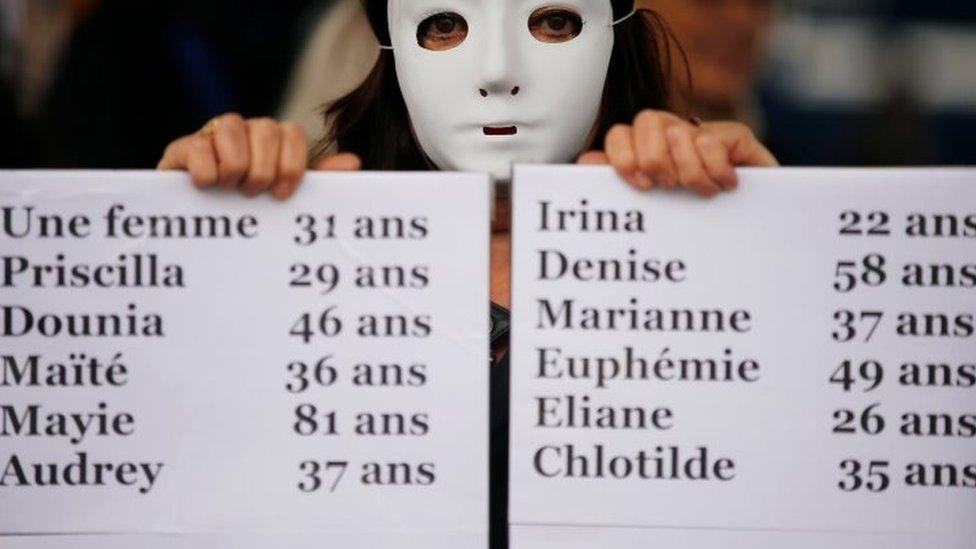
{"x":372,"y":120}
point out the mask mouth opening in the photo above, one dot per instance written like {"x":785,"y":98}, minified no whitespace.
{"x":500,"y":130}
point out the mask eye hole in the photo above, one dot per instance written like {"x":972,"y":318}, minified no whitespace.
{"x":442,"y":31}
{"x":555,"y":24}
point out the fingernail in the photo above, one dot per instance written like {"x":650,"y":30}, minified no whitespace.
{"x":644,"y":181}
{"x":281,"y":192}
{"x":733,"y":181}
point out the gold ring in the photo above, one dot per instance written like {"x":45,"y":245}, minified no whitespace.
{"x":209,"y":129}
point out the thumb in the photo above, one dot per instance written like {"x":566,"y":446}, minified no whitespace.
{"x":341,"y":162}
{"x":593,"y":157}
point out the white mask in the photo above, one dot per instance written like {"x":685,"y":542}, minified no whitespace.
{"x":501,"y":95}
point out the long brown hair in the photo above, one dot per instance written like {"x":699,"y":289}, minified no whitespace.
{"x":372,"y":120}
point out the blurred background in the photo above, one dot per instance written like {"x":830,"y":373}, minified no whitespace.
{"x":108,"y":83}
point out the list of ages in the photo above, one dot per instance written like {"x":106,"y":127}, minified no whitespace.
{"x":181,"y":362}
{"x":791,"y":363}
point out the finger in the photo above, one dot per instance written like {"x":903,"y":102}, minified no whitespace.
{"x":201,"y":161}
{"x":653,"y":157}
{"x":292,"y":161}
{"x":174,"y":157}
{"x":593,"y":158}
{"x":194,"y":154}
{"x":233,"y":150}
{"x":342,"y":162}
{"x":619,"y":145}
{"x":691,"y":169}
{"x":264,"y":139}
{"x":715,"y":157}
{"x":743,"y":146}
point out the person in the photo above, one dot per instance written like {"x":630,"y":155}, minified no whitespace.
{"x":34,"y":37}
{"x":132,"y":76}
{"x":620,"y":119}
{"x":647,"y":145}
{"x":479,"y":85}
{"x":339,"y":52}
{"x":726,"y":45}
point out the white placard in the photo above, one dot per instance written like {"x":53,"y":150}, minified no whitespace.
{"x":791,"y":364}
{"x":191,"y":364}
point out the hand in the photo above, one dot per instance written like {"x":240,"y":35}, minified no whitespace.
{"x":662,"y":150}
{"x":253,"y":156}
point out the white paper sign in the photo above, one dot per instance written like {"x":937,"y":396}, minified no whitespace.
{"x":791,"y":364}
{"x":220,"y":371}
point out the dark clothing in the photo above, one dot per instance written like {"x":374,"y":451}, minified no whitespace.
{"x":18,"y":144}
{"x":498,"y":438}
{"x":137,"y":74}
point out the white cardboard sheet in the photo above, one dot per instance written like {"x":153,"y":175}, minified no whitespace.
{"x":773,"y":276}
{"x":257,"y":427}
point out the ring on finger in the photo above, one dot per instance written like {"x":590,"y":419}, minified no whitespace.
{"x":209,"y":129}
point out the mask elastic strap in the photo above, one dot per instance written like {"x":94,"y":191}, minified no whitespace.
{"x":382,"y":47}
{"x":624,"y":18}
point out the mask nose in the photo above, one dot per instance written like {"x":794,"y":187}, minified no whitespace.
{"x":499,"y":73}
